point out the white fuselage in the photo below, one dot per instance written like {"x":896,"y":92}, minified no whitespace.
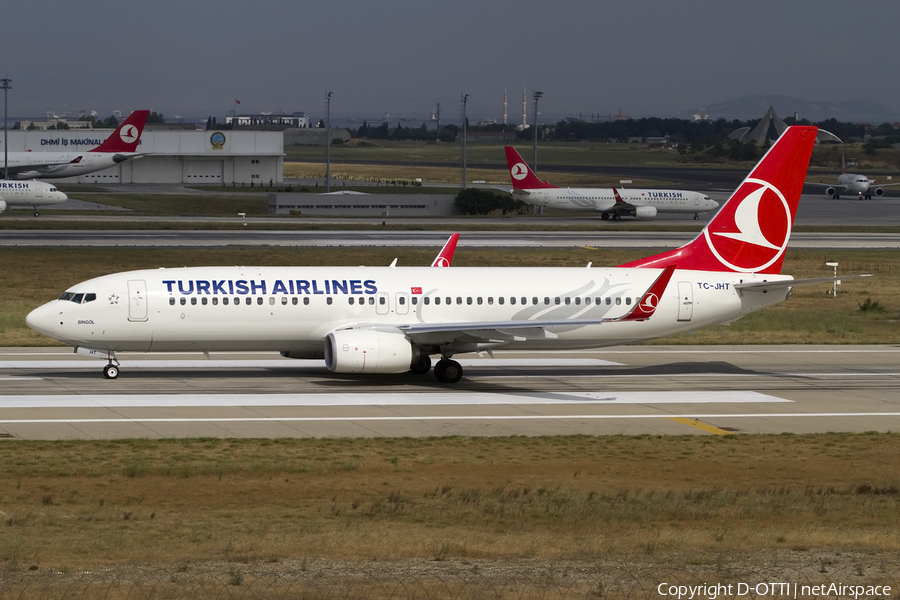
{"x":854,"y":183}
{"x":603,"y":199}
{"x":293,"y":309}
{"x":56,"y":165}
{"x":30,"y":194}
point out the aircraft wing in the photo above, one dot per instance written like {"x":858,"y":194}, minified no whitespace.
{"x":36,"y":169}
{"x":621,"y":206}
{"x":538,"y":328}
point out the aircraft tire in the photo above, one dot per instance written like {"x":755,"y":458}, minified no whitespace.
{"x":617,"y":217}
{"x":421,"y":366}
{"x":110,"y":371}
{"x":605,"y":216}
{"x":448,"y":371}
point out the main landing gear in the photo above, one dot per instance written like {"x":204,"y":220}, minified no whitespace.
{"x":446,"y":370}
{"x":696,"y":216}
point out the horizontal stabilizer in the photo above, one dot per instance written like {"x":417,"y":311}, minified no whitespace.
{"x":765,"y":286}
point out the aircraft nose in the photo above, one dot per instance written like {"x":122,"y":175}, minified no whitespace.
{"x":42,"y":319}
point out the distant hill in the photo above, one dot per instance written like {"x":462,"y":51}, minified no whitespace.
{"x":754,"y":107}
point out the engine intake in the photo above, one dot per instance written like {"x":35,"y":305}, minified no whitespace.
{"x":368,"y":351}
{"x":645,"y":212}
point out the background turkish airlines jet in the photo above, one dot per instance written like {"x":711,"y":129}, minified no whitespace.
{"x":393,"y":319}
{"x":117,"y":148}
{"x":29,"y":194}
{"x":609,"y":202}
{"x":853,"y":183}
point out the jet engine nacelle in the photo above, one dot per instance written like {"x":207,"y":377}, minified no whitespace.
{"x":878,"y":192}
{"x":2,"y":205}
{"x":829,"y":191}
{"x":645,"y":212}
{"x":368,"y":351}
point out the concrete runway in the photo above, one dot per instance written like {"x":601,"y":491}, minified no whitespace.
{"x":659,"y":390}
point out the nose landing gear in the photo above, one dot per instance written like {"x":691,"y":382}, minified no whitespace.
{"x":111,"y":371}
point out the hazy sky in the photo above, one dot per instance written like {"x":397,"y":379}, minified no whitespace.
{"x":659,"y":58}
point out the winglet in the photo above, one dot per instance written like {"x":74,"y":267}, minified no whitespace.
{"x":618,"y":197}
{"x":445,"y":256}
{"x":645,"y":308}
{"x":126,"y":137}
{"x":523,"y":178}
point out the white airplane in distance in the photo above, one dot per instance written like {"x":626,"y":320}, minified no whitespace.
{"x":117,"y":148}
{"x":29,"y":194}
{"x":853,"y":183}
{"x":609,"y":202}
{"x":393,"y":319}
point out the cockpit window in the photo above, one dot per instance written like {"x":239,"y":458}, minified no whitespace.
{"x":78,"y":298}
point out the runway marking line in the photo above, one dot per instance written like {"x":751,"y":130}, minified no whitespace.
{"x":700,"y":425}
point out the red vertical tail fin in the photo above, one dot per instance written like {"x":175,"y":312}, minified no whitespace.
{"x":750,"y":233}
{"x":126,"y":137}
{"x":523,"y":178}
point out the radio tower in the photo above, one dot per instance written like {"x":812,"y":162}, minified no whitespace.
{"x":504,"y":106}
{"x":524,"y":108}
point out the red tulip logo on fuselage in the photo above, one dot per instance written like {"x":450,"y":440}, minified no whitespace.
{"x":760,"y":230}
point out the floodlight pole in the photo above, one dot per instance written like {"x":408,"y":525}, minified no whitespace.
{"x":5,"y":85}
{"x":328,"y":143}
{"x":537,"y":96}
{"x":465,"y":98}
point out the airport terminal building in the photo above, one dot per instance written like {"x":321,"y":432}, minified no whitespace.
{"x":172,"y":156}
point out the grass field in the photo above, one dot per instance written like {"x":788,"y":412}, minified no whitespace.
{"x":808,"y":317}
{"x":686,"y":502}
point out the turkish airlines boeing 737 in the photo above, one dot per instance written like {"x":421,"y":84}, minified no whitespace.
{"x":117,"y":148}
{"x":609,"y":202}
{"x":393,"y":319}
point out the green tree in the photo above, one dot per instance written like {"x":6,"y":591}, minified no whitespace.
{"x":477,"y":201}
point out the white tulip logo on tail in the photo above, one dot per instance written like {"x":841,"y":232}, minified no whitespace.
{"x":129,"y":134}
{"x":518,"y":171}
{"x":756,"y":244}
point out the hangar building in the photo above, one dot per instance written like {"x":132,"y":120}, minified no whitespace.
{"x":172,"y":156}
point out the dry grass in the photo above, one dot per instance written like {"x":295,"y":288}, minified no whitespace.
{"x":808,"y":317}
{"x":562,"y":498}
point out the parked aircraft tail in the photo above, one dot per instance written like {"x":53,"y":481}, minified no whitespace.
{"x":126,"y":137}
{"x":523,"y":178}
